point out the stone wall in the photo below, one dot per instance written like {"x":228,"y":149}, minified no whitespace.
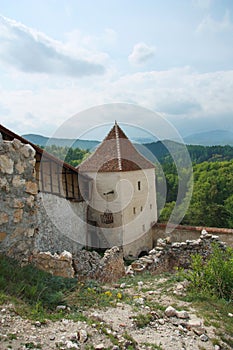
{"x":183,"y":232}
{"x":18,"y":190}
{"x":84,"y":266}
{"x":168,"y":255}
{"x":32,"y":221}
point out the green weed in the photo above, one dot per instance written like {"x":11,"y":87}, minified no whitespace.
{"x":34,"y":286}
{"x":213,"y":277}
{"x":143,"y":320}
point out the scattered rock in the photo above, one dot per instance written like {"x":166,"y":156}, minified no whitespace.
{"x":71,"y":345}
{"x":60,"y":307}
{"x":139,"y":301}
{"x":204,"y":337}
{"x":82,"y":335}
{"x":199,"y":330}
{"x":182,"y":314}
{"x":170,"y":311}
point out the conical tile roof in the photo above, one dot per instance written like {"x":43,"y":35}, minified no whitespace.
{"x":115,"y":153}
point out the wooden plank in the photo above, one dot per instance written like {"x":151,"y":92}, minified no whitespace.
{"x":51,"y":176}
{"x":42,"y":176}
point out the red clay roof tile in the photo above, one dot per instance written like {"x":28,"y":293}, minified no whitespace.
{"x":115,"y":153}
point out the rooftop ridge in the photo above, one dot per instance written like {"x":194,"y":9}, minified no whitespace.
{"x":118,"y":147}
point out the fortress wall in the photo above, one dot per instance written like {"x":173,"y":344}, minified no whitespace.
{"x":182,"y":233}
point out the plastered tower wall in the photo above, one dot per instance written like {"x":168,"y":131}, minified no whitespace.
{"x":106,"y":197}
{"x":141,"y":213}
{"x":130,"y":197}
{"x":122,"y":209}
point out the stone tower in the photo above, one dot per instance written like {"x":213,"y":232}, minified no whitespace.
{"x":122,"y":208}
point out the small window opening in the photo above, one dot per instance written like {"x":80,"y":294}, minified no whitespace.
{"x":134,"y":210}
{"x":150,"y":206}
{"x":141,"y":208}
{"x":139,"y":185}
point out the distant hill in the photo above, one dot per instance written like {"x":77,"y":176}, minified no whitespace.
{"x":198,"y":153}
{"x":210,"y":138}
{"x":159,"y":149}
{"x":43,"y":141}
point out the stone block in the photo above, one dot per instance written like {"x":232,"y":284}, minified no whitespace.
{"x":4,"y":185}
{"x":6,"y":164}
{"x":19,"y":231}
{"x":30,"y":201}
{"x":4,"y":218}
{"x":16,"y":144}
{"x":18,"y":204}
{"x":28,"y":151}
{"x":58,"y":265}
{"x":18,"y":181}
{"x":29,"y":232}
{"x":18,"y":215}
{"x":20,"y":167}
{"x":2,"y":236}
{"x":31,"y":187}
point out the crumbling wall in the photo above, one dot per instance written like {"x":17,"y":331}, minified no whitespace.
{"x":84,"y":266}
{"x":167,"y":255}
{"x":56,"y":264}
{"x":18,"y":190}
{"x":182,"y":233}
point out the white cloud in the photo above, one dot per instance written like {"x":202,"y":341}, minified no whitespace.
{"x":187,"y":98}
{"x":141,"y":53}
{"x":33,"y":52}
{"x":209,"y":24}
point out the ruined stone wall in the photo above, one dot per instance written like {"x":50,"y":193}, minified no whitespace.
{"x":18,"y":190}
{"x":167,"y":255}
{"x":85,"y":265}
{"x":183,"y":232}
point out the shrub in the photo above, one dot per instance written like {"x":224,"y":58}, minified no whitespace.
{"x":214,"y":276}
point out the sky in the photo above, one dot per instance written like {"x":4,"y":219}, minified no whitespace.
{"x":60,"y":58}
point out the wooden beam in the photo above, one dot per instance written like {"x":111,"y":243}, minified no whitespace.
{"x":51,"y":177}
{"x":41,"y":176}
{"x":58,"y":179}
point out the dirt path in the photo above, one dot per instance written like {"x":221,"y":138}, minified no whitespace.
{"x":146,"y":323}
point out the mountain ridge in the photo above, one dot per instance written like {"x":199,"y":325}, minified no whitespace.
{"x":210,"y":138}
{"x":206,"y":138}
{"x":47,"y":141}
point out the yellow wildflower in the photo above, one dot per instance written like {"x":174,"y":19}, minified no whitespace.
{"x":119,"y":295}
{"x":108,"y":293}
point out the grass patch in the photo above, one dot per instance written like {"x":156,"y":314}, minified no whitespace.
{"x":91,"y":294}
{"x":34,"y":293}
{"x":143,"y":320}
{"x":34,"y":286}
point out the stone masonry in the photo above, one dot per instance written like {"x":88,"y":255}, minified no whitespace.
{"x":83,"y":266}
{"x":18,"y":213}
{"x":167,"y":255}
